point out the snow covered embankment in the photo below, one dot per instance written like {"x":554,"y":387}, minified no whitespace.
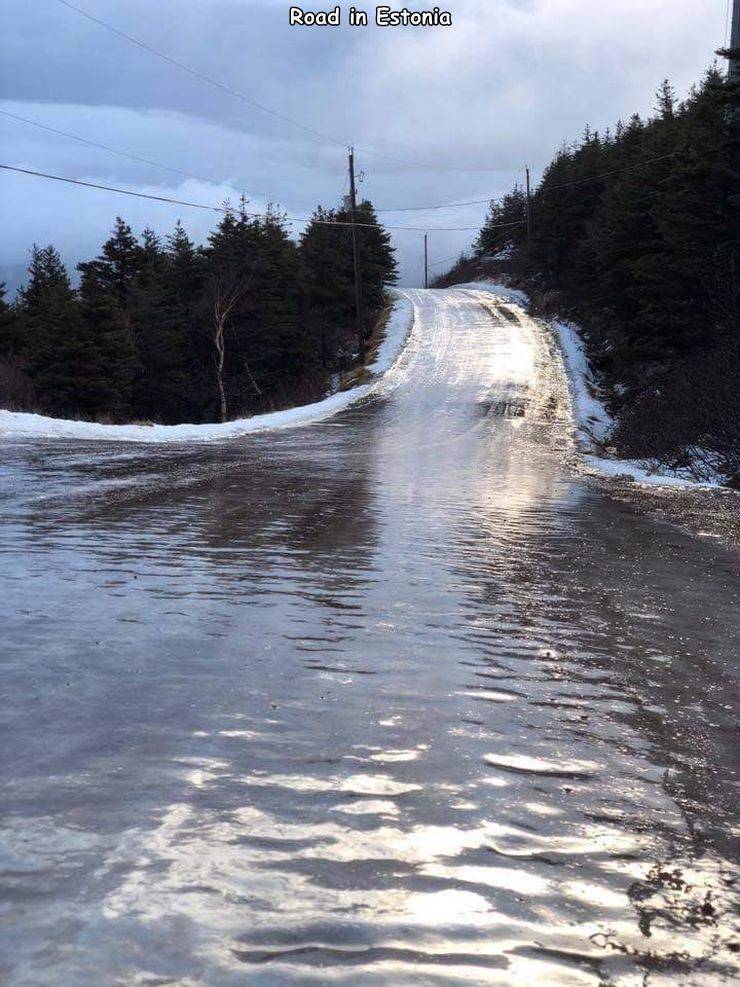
{"x":593,"y":422}
{"x":399,"y":325}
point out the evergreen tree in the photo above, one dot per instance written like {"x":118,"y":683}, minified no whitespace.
{"x":107,"y":360}
{"x":138,"y":339}
{"x":266,"y":345}
{"x":49,"y":324}
{"x":666,"y":101}
{"x":505,"y":225}
{"x":329,"y":284}
{"x":119,"y":263}
{"x":184,"y":288}
{"x":10,"y":336}
{"x":328,"y":264}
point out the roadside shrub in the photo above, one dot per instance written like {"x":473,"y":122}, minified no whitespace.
{"x":17,"y":392}
{"x":690,"y":418}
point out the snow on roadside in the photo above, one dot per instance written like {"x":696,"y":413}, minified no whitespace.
{"x":593,"y":422}
{"x":593,"y":419}
{"x":399,"y":325}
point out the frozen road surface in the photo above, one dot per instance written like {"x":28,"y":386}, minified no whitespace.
{"x":390,"y":699}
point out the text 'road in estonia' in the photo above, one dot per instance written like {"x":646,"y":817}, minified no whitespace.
{"x":384,"y":17}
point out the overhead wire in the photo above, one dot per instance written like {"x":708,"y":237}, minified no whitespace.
{"x":123,"y":154}
{"x":315,"y":135}
{"x":266,"y":195}
{"x":445,"y":260}
{"x":210,"y":181}
{"x":223,"y":86}
{"x":226,"y":209}
{"x":609,"y":174}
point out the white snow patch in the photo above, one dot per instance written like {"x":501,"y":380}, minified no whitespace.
{"x":594,"y":421}
{"x":513,"y":295}
{"x":645,"y":474}
{"x":41,"y":426}
{"x":503,"y":254}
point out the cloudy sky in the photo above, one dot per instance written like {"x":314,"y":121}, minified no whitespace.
{"x":438,"y":115}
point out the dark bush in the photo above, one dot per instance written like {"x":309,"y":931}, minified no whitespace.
{"x":16,"y":388}
{"x":690,"y":418}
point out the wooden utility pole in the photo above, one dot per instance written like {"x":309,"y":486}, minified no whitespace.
{"x":426,"y":260}
{"x":529,"y":209}
{"x":733,"y":71}
{"x":356,"y":253}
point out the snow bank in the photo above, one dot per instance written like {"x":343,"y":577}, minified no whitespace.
{"x":646,"y":475}
{"x":593,"y":422}
{"x":397,"y":330}
{"x":513,"y":295}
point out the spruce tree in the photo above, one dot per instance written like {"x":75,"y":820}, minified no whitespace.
{"x":184,"y":288}
{"x":327,"y":257}
{"x":266,"y":345}
{"x":11,"y":343}
{"x":119,"y":263}
{"x":107,"y":352}
{"x":49,"y":324}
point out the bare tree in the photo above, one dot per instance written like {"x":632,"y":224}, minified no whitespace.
{"x":224,"y":301}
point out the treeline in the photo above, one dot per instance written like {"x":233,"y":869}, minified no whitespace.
{"x":635,"y":235}
{"x":165,"y":331}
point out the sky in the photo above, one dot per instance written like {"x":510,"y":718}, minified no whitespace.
{"x":437,"y":115}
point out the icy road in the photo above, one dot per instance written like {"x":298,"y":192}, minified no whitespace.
{"x":393,"y":698}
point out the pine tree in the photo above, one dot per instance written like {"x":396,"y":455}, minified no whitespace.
{"x":106,"y":353}
{"x":328,"y":264}
{"x":17,"y":392}
{"x":119,"y":263}
{"x":159,"y":389}
{"x":666,"y":101}
{"x":49,"y":322}
{"x":325,"y":252}
{"x":184,"y":288}
{"x":266,"y":345}
{"x":505,"y":225}
{"x":10,"y":336}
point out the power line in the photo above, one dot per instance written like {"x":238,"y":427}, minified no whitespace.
{"x":315,"y":135}
{"x":446,"y":260}
{"x":577,"y":181}
{"x":210,"y":181}
{"x":449,"y":205}
{"x":224,"y":87}
{"x":727,"y":23}
{"x":110,"y":188}
{"x":225,"y":209}
{"x":123,"y":154}
{"x":608,"y":174}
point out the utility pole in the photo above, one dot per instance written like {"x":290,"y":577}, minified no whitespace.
{"x":732,"y":54}
{"x":426,"y":260}
{"x":733,"y":73}
{"x":529,"y":204}
{"x":356,"y":253}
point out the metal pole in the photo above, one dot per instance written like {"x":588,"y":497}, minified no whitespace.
{"x":426,"y":260}
{"x":733,"y":72}
{"x":356,"y":253}
{"x":529,"y":210}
